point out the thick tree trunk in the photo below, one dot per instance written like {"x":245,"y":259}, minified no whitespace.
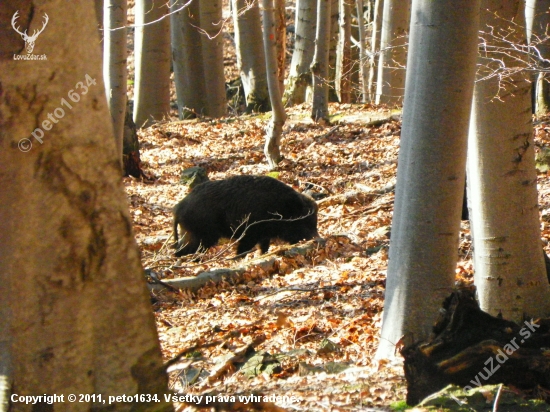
{"x":67,"y":246}
{"x":299,"y":79}
{"x":390,"y":84}
{"x":114,"y":66}
{"x":275,"y":128}
{"x":187,"y":59}
{"x":502,"y":182}
{"x":430,"y":175}
{"x":250,"y":54}
{"x":212,"y":53}
{"x":319,"y":67}
{"x":152,"y":57}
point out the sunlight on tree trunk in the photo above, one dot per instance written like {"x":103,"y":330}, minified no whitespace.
{"x":114,"y":65}
{"x":362,"y":52}
{"x":390,"y":84}
{"x":250,"y":55}
{"x":537,"y":22}
{"x":212,"y":53}
{"x":187,"y":59}
{"x":319,"y":66}
{"x":76,"y":315}
{"x":275,"y":127}
{"x":152,"y":57}
{"x":431,"y":168}
{"x":509,"y":264}
{"x":342,"y":82}
{"x":299,"y":78}
{"x":280,"y":35}
{"x":374,"y":48}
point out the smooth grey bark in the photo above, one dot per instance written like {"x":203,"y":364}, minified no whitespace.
{"x":212,"y":54}
{"x":152,"y":59}
{"x":275,"y":127}
{"x":342,"y":81}
{"x":187,"y":59}
{"x":115,"y":72}
{"x":250,"y":54}
{"x":319,"y":66}
{"x":431,"y":168}
{"x":390,"y":83}
{"x":299,"y":78}
{"x":332,"y":50}
{"x":375,"y":48}
{"x":67,"y":247}
{"x":537,"y":23}
{"x":363,"y":73}
{"x":510,"y":273}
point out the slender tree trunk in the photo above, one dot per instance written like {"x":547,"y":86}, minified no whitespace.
{"x":275,"y":128}
{"x":509,"y":267}
{"x":430,"y":175}
{"x":537,"y":19}
{"x":390,"y":85}
{"x":187,"y":59}
{"x":342,"y":80}
{"x":212,"y":53}
{"x":299,"y":79}
{"x":280,"y":35}
{"x":362,"y":52}
{"x":98,"y":4}
{"x":250,"y":54}
{"x":332,"y":50}
{"x":375,"y":48}
{"x":67,"y":248}
{"x":115,"y":71}
{"x":152,"y":57}
{"x":319,"y":67}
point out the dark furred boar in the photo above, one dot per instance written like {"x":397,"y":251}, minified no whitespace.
{"x":258,"y":208}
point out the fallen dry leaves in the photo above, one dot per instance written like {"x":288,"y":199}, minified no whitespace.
{"x":310,"y":314}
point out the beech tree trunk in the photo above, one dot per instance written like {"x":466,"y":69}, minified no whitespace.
{"x":363,"y":73}
{"x":275,"y":128}
{"x":280,"y":35}
{"x":250,"y":54}
{"x":342,"y":82}
{"x":212,"y":53}
{"x":115,"y":72}
{"x":187,"y":59}
{"x":375,"y":48}
{"x":431,"y":168}
{"x":319,"y":67}
{"x":390,"y":85}
{"x":299,"y":78}
{"x":502,"y":181}
{"x":152,"y":57}
{"x":537,"y":19}
{"x":75,"y":316}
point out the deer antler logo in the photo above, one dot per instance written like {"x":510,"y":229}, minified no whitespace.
{"x":29,"y":40}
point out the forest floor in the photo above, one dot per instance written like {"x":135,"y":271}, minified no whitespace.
{"x":313,"y":313}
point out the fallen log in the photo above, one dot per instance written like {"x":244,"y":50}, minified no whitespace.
{"x":471,"y":348}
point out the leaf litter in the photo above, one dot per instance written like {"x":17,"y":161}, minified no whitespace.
{"x":306,"y":325}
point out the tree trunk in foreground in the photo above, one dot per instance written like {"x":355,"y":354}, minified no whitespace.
{"x":275,"y":128}
{"x":75,"y":316}
{"x":502,"y":182}
{"x":430,"y":175}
